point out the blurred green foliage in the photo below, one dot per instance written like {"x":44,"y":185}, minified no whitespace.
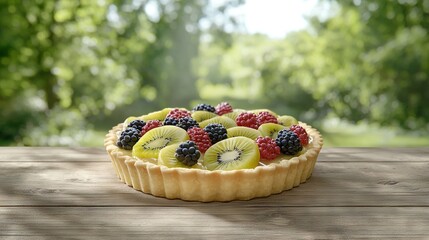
{"x":69,"y":67}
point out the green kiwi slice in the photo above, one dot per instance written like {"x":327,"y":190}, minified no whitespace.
{"x":287,"y":120}
{"x":200,"y":116}
{"x":158,"y":115}
{"x":166,"y":158}
{"x":225,"y":121}
{"x":243,"y":132}
{"x":156,"y":139}
{"x":232,"y":154}
{"x":232,"y":115}
{"x":270,"y":129}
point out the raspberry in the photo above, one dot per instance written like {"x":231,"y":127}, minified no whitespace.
{"x":187,"y":153}
{"x":170,"y":121}
{"x":268,"y":148}
{"x":137,"y":124}
{"x":289,"y":142}
{"x":266,"y":117}
{"x":204,"y":107}
{"x":128,"y":138}
{"x":200,"y":137}
{"x":187,"y":122}
{"x":216,"y":132}
{"x":151,"y":124}
{"x":302,"y":134}
{"x":223,"y":108}
{"x":178,"y":113}
{"x":247,"y":119}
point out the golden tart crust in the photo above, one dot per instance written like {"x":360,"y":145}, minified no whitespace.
{"x":207,"y":186}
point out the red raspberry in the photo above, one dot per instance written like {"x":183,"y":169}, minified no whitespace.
{"x":247,"y":119}
{"x":223,"y":108}
{"x":200,"y":137}
{"x":268,"y":148}
{"x":151,"y":124}
{"x":302,"y":134}
{"x":266,"y":117}
{"x":178,"y":113}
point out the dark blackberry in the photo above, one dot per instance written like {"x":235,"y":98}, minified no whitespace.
{"x":288,"y":142}
{"x":187,"y":122}
{"x":216,"y":131}
{"x":170,"y":121}
{"x":188,"y":153}
{"x":204,"y":107}
{"x":128,"y":138}
{"x":137,"y":124}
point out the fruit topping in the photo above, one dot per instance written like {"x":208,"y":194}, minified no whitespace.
{"x":188,"y":153}
{"x":151,"y":124}
{"x":243,"y":132}
{"x":200,"y":116}
{"x":216,"y":132}
{"x":231,"y":154}
{"x":268,"y":148}
{"x":178,"y":113}
{"x":204,"y":107}
{"x":167,"y":158}
{"x":128,"y":138}
{"x":137,"y":124}
{"x":187,"y":122}
{"x":302,"y":134}
{"x":200,"y":137}
{"x":154,"y":140}
{"x":247,"y":119}
{"x":270,"y":129}
{"x":223,"y":108}
{"x":170,"y":121}
{"x":289,"y":142}
{"x":287,"y":120}
{"x":233,"y":115}
{"x":225,"y":121}
{"x":266,"y":117}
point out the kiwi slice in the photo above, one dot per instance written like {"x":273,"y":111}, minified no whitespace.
{"x":232,"y":154}
{"x":256,"y":111}
{"x":166,"y":157}
{"x":200,"y":116}
{"x":270,"y":129}
{"x":287,"y":120}
{"x":243,"y":132}
{"x":153,"y":141}
{"x":158,"y":115}
{"x":232,"y":115}
{"x":225,"y":121}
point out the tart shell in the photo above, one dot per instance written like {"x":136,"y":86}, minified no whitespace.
{"x":207,"y":186}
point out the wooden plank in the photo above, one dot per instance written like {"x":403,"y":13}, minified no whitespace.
{"x":52,"y":154}
{"x":332,"y":184}
{"x":63,"y":154}
{"x":221,"y":222}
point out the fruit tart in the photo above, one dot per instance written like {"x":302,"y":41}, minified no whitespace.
{"x":213,"y":153}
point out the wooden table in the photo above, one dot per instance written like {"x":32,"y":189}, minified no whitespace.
{"x":73,"y":193}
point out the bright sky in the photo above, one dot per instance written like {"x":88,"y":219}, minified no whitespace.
{"x":276,"y":18}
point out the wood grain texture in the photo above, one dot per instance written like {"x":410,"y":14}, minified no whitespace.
{"x":73,"y":193}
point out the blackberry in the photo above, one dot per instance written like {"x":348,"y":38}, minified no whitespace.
{"x":170,"y":121}
{"x":187,"y":153}
{"x":289,"y":142}
{"x":187,"y":123}
{"x":128,"y":138}
{"x":204,"y":107}
{"x":216,"y":131}
{"x":137,"y":124}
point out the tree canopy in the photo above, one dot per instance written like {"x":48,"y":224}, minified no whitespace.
{"x":67,"y":64}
